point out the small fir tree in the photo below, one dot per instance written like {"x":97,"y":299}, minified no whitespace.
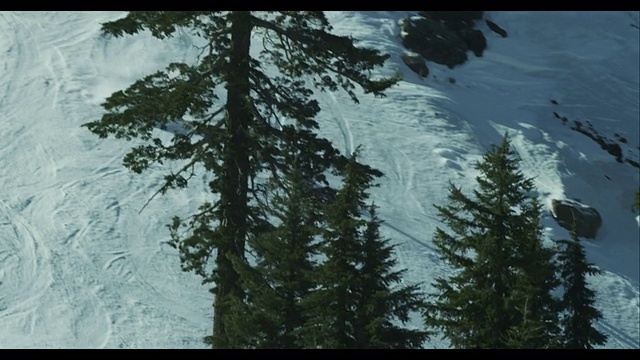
{"x":578,"y":302}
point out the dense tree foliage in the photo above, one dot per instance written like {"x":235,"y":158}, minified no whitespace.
{"x":578,"y":302}
{"x":359,"y":301}
{"x":500,"y":293}
{"x":296,"y":261}
{"x":285,"y":259}
{"x":233,"y":108}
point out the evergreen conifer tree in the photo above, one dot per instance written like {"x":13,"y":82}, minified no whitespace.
{"x":579,"y":312}
{"x":383,"y":307}
{"x":332,"y":306}
{"x":232,"y":107}
{"x":355,"y":304}
{"x":495,"y":247}
{"x":527,"y":331}
{"x":535,"y":280}
{"x":285,"y":257}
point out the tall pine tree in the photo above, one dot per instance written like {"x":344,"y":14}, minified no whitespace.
{"x":285,"y":257}
{"x":358,"y":302}
{"x":500,"y":293}
{"x":232,"y":107}
{"x":578,"y":302}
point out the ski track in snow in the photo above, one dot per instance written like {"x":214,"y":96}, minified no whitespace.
{"x":71,"y":274}
{"x":81,"y":267}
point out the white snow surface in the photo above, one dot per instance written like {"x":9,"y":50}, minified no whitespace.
{"x":82,"y":267}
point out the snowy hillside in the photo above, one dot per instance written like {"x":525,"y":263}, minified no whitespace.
{"x":82,"y":267}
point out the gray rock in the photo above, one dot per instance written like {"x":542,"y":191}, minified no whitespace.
{"x":587,"y":219}
{"x":416,"y":63}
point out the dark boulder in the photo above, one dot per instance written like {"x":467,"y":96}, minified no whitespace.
{"x":434,"y":41}
{"x":496,"y":29}
{"x":587,"y":219}
{"x":633,"y":163}
{"x":416,"y":63}
{"x":475,"y":40}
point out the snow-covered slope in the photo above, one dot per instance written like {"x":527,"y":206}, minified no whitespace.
{"x":81,"y":267}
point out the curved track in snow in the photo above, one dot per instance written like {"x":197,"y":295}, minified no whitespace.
{"x":70,"y":277}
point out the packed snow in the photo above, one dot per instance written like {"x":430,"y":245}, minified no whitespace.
{"x":82,"y":267}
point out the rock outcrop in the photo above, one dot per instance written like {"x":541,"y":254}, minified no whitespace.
{"x":496,"y":29}
{"x":587,"y":219}
{"x":475,"y":40}
{"x":416,"y":63}
{"x":609,"y":145}
{"x":443,"y":37}
{"x":434,"y":41}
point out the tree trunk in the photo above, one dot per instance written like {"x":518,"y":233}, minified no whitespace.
{"x":234,"y":198}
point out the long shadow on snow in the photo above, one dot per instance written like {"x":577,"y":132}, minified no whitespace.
{"x":402,"y":232}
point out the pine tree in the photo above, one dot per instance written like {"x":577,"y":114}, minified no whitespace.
{"x":495,"y":247}
{"x":355,"y":304}
{"x":234,"y":139}
{"x":332,"y":306}
{"x":285,"y":260}
{"x":535,"y":280}
{"x":527,"y":331}
{"x":579,"y":312}
{"x":381,"y":305}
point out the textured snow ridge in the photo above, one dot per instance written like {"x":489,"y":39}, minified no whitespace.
{"x":82,"y":267}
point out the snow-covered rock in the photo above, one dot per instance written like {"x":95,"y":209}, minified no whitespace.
{"x":587,"y":219}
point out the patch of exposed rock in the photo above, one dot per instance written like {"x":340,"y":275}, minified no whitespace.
{"x":434,"y":41}
{"x":609,"y":145}
{"x":586,"y":218}
{"x":416,"y":63}
{"x":444,"y":37}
